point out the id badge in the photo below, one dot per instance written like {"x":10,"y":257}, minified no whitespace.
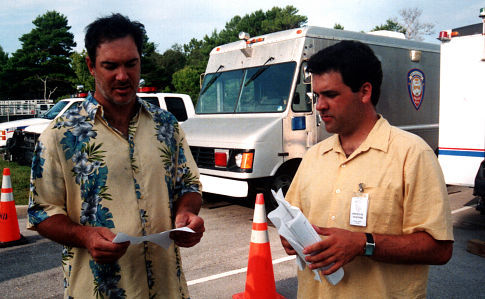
{"x":358,"y":209}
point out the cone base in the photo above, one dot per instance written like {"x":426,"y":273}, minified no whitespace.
{"x":243,"y":296}
{"x":20,"y":241}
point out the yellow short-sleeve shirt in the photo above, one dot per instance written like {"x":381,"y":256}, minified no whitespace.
{"x":407,"y":194}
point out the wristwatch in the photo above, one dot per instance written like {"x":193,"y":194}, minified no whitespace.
{"x":370,"y":245}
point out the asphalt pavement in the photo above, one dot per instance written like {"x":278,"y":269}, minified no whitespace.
{"x":215,"y":268}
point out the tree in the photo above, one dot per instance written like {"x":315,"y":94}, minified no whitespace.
{"x":81,"y":71}
{"x":338,"y":26}
{"x":3,"y":74}
{"x":391,"y":25}
{"x":186,"y":81}
{"x":415,"y":29}
{"x":157,"y":70}
{"x":42,"y":65}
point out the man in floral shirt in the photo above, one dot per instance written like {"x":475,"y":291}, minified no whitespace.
{"x":116,"y":164}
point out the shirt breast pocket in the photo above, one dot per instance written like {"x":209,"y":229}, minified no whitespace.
{"x":385,"y":211}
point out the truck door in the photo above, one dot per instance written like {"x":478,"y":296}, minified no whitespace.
{"x":300,"y":125}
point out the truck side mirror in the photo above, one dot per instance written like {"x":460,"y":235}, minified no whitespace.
{"x":307,"y":76}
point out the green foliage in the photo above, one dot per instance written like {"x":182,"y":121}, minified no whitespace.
{"x":157,"y":69}
{"x":338,"y":26}
{"x":81,"y":71}
{"x":41,"y":68}
{"x":186,"y":81}
{"x":391,"y":25}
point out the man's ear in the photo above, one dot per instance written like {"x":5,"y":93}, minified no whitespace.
{"x":366,"y":92}
{"x":90,"y":65}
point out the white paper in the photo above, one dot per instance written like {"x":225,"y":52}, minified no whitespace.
{"x":297,"y":230}
{"x":161,"y":239}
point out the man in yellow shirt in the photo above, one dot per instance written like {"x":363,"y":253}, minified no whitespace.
{"x":374,"y":192}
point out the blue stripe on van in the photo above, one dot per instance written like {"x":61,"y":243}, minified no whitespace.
{"x":462,"y":153}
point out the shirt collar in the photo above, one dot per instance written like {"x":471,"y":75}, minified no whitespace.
{"x":378,"y":138}
{"x":91,"y":106}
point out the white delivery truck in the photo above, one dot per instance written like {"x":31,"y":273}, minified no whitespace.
{"x":255,"y":116}
{"x":462,"y":107}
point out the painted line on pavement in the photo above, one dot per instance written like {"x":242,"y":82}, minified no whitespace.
{"x":460,"y":210}
{"x":234,"y":272}
{"x":277,"y":261}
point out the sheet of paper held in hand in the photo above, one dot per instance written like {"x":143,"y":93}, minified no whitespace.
{"x":161,"y":239}
{"x":297,"y":230}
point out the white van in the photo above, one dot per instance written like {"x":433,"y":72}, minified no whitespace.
{"x":462,"y":108}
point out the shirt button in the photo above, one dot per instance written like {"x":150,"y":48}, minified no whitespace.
{"x":343,"y":165}
{"x":337,"y":191}
{"x":333,"y":217}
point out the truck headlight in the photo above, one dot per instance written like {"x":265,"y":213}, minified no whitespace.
{"x":244,"y":160}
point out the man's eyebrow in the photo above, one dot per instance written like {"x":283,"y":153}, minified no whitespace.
{"x":107,"y":62}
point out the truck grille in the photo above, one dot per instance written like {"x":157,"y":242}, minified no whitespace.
{"x":203,"y":156}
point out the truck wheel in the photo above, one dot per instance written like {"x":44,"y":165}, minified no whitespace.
{"x":281,"y":181}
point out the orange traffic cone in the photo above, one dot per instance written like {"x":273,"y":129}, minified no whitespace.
{"x":9,"y":226}
{"x":260,"y":277}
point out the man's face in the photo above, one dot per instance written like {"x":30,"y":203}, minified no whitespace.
{"x":116,"y":71}
{"x":339,"y":107}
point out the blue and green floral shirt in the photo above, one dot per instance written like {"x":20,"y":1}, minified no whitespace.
{"x":84,"y":168}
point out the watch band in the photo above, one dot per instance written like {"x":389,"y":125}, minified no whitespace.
{"x":369,"y":245}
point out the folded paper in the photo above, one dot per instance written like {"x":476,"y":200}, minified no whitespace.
{"x":297,"y":230}
{"x":161,"y":239}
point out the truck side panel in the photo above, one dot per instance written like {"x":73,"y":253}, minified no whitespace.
{"x":462,"y":117}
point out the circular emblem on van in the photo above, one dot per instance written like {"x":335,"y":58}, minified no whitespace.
{"x":416,"y":85}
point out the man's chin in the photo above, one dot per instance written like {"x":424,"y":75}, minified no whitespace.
{"x":123,"y":100}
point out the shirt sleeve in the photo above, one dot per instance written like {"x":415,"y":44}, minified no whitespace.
{"x":426,"y":203}
{"x":47,"y":187}
{"x":187,"y":174}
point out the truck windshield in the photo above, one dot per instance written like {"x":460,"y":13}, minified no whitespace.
{"x":52,"y":113}
{"x":259,"y":89}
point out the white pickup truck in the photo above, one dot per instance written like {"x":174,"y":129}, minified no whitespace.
{"x":20,"y":136}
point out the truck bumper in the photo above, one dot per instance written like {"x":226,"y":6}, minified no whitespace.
{"x":223,"y":186}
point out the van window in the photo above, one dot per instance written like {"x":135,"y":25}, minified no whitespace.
{"x":152,"y":100}
{"x":176,"y":106}
{"x":258,"y":89}
{"x":301,"y":101}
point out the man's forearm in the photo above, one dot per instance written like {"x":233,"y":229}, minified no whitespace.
{"x":415,"y":248}
{"x":189,"y":202}
{"x":61,"y":229}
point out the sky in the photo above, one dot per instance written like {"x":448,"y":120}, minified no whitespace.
{"x":177,"y":22}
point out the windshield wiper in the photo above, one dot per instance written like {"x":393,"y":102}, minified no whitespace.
{"x":259,"y":72}
{"x":213,"y":79}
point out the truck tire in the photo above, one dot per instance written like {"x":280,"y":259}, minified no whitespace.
{"x":280,"y":181}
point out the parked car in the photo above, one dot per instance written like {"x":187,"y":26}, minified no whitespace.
{"x":20,"y":146}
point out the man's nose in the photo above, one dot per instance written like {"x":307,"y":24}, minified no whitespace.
{"x":321,"y":103}
{"x":121,"y":74}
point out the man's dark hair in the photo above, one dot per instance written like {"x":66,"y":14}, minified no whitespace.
{"x":109,"y":28}
{"x":355,"y":61}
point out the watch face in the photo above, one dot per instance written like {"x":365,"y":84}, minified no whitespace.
{"x":369,"y":244}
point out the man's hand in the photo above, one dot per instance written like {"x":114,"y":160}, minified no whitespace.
{"x":287,"y":246}
{"x":98,"y":241}
{"x":191,"y":220}
{"x":338,"y":248}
